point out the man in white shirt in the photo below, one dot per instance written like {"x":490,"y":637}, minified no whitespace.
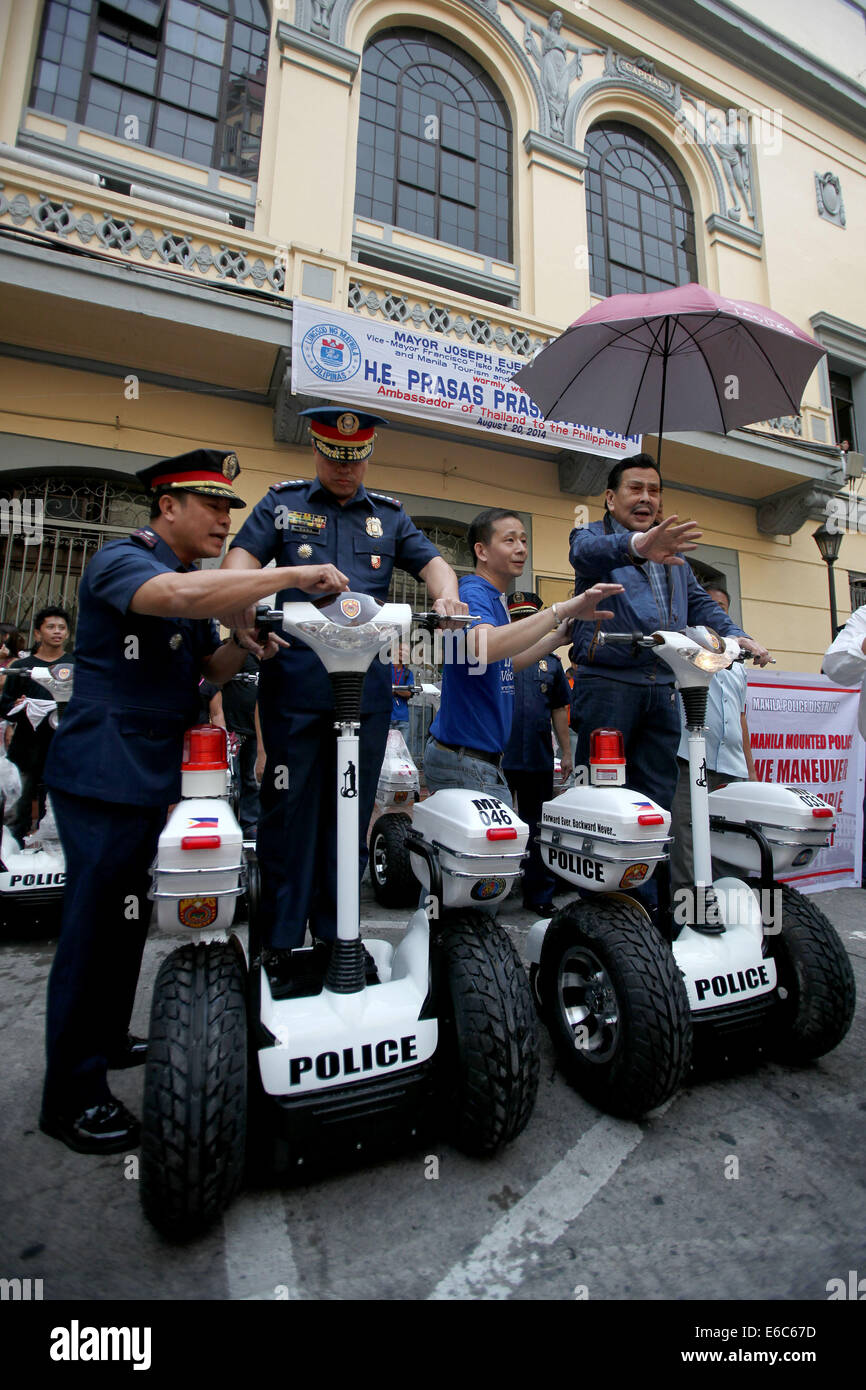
{"x":729,"y":753}
{"x":845,"y":660}
{"x":845,"y":663}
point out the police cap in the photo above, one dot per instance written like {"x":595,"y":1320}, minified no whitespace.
{"x":207,"y":471}
{"x":342,"y":435}
{"x":521,"y":605}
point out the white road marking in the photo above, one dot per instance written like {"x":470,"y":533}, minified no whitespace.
{"x":258,"y":1249}
{"x":498,"y":1263}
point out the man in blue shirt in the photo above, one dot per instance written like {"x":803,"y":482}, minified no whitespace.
{"x":144,"y":639}
{"x":401,"y":676}
{"x":469,"y":734}
{"x":541,"y":694}
{"x":329,"y":518}
{"x":616,"y":688}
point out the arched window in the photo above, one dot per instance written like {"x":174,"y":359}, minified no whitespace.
{"x":639,"y":213}
{"x":187,"y":79}
{"x":434,"y":143}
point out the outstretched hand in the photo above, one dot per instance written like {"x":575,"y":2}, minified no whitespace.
{"x":585,"y":606}
{"x":662,"y":542}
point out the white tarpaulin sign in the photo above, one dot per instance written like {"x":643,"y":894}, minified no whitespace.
{"x":803,"y":731}
{"x":397,"y":368}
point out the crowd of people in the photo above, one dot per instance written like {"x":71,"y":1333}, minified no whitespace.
{"x":147,"y":639}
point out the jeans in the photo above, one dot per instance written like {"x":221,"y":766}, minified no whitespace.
{"x":444,"y":768}
{"x":647,"y":716}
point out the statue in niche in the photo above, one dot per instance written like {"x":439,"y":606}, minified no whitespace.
{"x":322,"y":16}
{"x":733,"y":153}
{"x":558,"y":71}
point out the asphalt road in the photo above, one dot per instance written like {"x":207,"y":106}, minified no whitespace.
{"x":749,"y":1186}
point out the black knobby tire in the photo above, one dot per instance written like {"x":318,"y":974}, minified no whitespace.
{"x":394,"y":883}
{"x":616,"y":1006}
{"x":195,"y":1089}
{"x":815,"y":982}
{"x":487,"y":1059}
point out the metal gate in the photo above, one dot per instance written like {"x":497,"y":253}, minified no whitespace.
{"x":52,"y":526}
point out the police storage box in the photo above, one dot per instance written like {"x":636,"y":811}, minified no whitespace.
{"x":196,"y":876}
{"x":796,"y":823}
{"x":480,"y":842}
{"x":603,"y":838}
{"x":398,"y":779}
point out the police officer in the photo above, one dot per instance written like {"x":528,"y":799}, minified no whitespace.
{"x":143,"y":641}
{"x":541,"y":693}
{"x":333,"y":517}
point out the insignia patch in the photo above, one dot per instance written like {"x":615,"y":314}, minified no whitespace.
{"x":542,"y":665}
{"x":374,"y":526}
{"x":517,"y":597}
{"x":304,"y":551}
{"x":376,"y":561}
{"x":350,"y":607}
{"x":348,"y":423}
{"x":197,"y":912}
{"x":175,"y":640}
{"x":231,"y":467}
{"x":383,"y":497}
{"x":62,"y":673}
{"x":145,"y":536}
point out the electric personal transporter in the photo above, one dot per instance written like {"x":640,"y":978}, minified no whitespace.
{"x":740,"y":965}
{"x":368,"y":1046}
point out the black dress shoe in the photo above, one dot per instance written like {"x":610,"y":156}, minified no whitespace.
{"x":540,"y":909}
{"x":108,"y":1128}
{"x":132,"y":1054}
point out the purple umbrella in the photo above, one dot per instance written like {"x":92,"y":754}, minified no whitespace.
{"x":682,"y":358}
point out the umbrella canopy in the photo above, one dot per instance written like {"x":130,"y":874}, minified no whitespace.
{"x":681,"y":359}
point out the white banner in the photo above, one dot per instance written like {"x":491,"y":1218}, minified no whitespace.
{"x":803,"y":732}
{"x":397,"y":368}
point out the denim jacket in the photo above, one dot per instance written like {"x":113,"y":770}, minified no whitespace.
{"x":599,"y":556}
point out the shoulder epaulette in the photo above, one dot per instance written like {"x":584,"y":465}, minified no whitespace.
{"x":383,"y":497}
{"x":147,"y":537}
{"x":293,"y":482}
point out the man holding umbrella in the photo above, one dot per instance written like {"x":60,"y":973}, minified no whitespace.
{"x":614,"y":687}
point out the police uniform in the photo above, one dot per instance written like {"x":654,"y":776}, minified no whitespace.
{"x":302,"y":523}
{"x":113,"y":770}
{"x":539,"y":689}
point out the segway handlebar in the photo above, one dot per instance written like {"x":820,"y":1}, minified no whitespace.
{"x":629,"y":639}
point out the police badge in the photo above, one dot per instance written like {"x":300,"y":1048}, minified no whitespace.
{"x":374,"y":526}
{"x":231,"y":467}
{"x":542,"y":665}
{"x":175,"y":640}
{"x":348,"y":423}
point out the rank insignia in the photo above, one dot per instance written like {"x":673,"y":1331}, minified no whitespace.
{"x":231,"y":467}
{"x":542,"y":665}
{"x":376,"y":561}
{"x":374,"y":526}
{"x":175,"y":640}
{"x":304,"y":552}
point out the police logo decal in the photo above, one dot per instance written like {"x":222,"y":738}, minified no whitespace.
{"x":350,"y":607}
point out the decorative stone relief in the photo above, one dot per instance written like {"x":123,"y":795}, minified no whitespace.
{"x":828,"y":190}
{"x":549,"y":48}
{"x":398,"y":308}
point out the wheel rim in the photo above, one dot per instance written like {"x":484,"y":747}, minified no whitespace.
{"x":589,"y":1006}
{"x":380,"y":861}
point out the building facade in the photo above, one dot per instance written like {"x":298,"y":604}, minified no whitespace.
{"x":175,"y":175}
